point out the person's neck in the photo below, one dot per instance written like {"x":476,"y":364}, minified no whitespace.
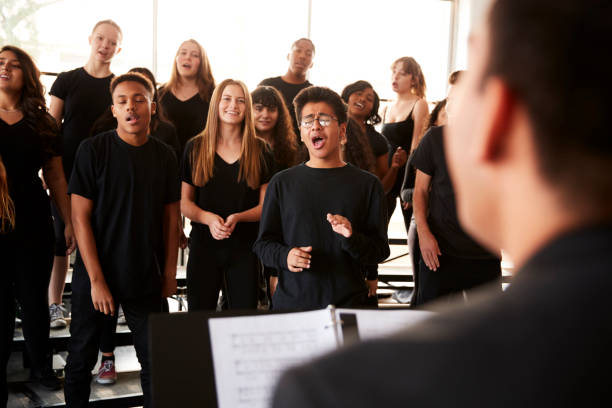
{"x":267,"y":136}
{"x":229,"y":135}
{"x":134,"y":139}
{"x":325,"y":163}
{"x":187,"y":83}
{"x":10,"y":101}
{"x":528,"y":225}
{"x":360,"y":121}
{"x":406,"y":97}
{"x":294,"y":78}
{"x":97,"y":69}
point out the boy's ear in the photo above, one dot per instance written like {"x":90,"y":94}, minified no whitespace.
{"x":153,"y":108}
{"x":342,"y":133}
{"x":113,"y":111}
{"x":501,"y":106}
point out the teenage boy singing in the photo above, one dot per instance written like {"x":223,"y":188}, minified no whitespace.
{"x":324,"y":219}
{"x":125,"y":196}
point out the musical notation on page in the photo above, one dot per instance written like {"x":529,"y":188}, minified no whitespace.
{"x":251,"y":352}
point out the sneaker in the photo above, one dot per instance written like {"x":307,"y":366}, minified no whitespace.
{"x":56,"y":312}
{"x":121,"y":316}
{"x":47,"y":380}
{"x":107,"y":374}
{"x":402,"y":296}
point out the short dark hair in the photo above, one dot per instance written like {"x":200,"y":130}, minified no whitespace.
{"x":133,"y":77}
{"x":435,"y":113}
{"x":373,"y":117}
{"x":551,"y":54}
{"x":314,"y":94}
{"x":304,"y":39}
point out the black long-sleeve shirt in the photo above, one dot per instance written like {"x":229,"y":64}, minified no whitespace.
{"x":295,"y":215}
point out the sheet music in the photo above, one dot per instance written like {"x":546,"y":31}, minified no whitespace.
{"x":251,"y":352}
{"x":377,"y":323}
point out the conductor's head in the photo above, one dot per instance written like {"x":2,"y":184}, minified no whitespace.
{"x":529,"y":145}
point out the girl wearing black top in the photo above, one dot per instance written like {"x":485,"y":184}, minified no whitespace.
{"x":78,"y":98}
{"x":225,"y":172}
{"x":357,"y":149}
{"x":186,"y":96}
{"x":363,"y":104}
{"x":404,"y":121}
{"x":29,"y":142}
{"x":273,"y":124}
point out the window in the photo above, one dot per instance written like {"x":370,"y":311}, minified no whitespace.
{"x":360,"y":39}
{"x":245,"y":40}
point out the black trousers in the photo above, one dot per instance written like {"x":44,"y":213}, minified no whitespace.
{"x":456,"y":275}
{"x":58,"y":228}
{"x":85,"y":333}
{"x":231,"y":268}
{"x":107,"y":333}
{"x":27,"y":260}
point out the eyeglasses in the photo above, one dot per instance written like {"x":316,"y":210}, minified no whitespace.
{"x":324,"y":120}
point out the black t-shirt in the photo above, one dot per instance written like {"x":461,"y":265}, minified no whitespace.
{"x":24,"y":152}
{"x":289,"y":91}
{"x":129,"y":187}
{"x":295,"y":214}
{"x":85,"y":99}
{"x":378,"y":142}
{"x":188,"y":117}
{"x":166,"y":132}
{"x":224,"y":195}
{"x":442,"y":211}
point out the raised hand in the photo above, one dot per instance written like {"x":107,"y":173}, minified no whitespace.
{"x":341,"y":225}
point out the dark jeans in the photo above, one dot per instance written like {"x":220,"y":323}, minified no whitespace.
{"x":85,"y":333}
{"x":26,"y":269}
{"x":456,"y":275}
{"x":210,"y":269}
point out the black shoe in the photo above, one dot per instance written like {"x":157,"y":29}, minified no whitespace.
{"x":47,"y":380}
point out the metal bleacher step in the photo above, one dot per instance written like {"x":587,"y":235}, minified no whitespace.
{"x":125,"y":393}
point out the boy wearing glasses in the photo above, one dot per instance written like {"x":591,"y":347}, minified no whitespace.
{"x":323,"y":219}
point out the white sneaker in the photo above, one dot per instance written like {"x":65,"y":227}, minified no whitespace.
{"x":56,"y":313}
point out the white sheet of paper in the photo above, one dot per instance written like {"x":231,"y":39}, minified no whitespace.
{"x":381,"y":323}
{"x":251,"y":352}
